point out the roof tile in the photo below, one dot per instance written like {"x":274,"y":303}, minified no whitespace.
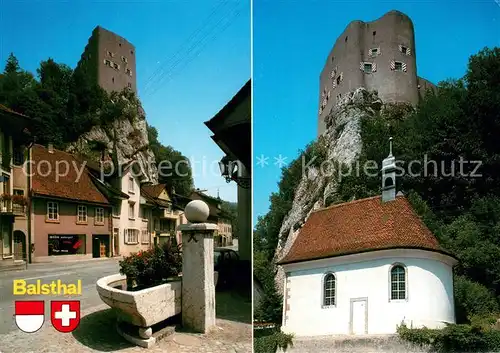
{"x":358,"y":226}
{"x":66,"y":185}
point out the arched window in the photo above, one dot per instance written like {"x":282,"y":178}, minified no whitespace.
{"x":398,"y":282}
{"x":329,"y":286}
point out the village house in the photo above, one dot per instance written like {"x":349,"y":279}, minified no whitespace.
{"x":365,"y":267}
{"x":166,"y":215}
{"x":131,"y":216}
{"x":14,"y":141}
{"x":69,"y":215}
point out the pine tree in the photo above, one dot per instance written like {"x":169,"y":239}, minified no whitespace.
{"x":12,"y":65}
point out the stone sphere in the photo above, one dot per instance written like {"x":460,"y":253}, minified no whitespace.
{"x":197,"y":211}
{"x":145,"y":332}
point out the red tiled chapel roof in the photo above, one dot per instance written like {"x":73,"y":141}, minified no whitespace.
{"x":359,"y":226}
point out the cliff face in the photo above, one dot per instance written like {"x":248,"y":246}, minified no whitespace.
{"x":343,"y":142}
{"x":125,"y":139}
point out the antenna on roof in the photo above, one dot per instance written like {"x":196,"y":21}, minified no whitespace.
{"x":390,"y":146}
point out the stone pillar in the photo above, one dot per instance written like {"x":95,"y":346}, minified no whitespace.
{"x":198,"y":285}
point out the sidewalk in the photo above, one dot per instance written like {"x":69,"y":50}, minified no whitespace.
{"x":97,"y":333}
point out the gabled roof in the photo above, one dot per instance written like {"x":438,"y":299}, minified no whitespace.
{"x":67,"y":184}
{"x":360,"y":226}
{"x":107,"y":189}
{"x":153,"y":190}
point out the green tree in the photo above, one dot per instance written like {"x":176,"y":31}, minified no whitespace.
{"x":173,"y":167}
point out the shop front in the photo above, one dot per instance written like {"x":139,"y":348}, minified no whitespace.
{"x":66,"y":244}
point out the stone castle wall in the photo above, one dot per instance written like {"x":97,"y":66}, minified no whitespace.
{"x":388,"y":44}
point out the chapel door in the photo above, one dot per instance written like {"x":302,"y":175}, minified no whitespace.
{"x":359,"y":316}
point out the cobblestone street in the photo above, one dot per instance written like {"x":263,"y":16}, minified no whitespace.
{"x":97,"y":333}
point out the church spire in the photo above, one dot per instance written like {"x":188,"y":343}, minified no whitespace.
{"x":389,"y":176}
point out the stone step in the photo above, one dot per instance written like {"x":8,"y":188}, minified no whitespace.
{"x":12,"y":265}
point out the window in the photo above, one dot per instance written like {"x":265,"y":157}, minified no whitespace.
{"x":346,"y":39}
{"x":81,"y":214}
{"x":398,"y":282}
{"x":116,"y":66}
{"x":374,"y":33}
{"x":129,"y":72}
{"x":131,"y":236}
{"x":18,"y":158}
{"x":145,"y":237}
{"x":329,"y":287}
{"x":131,"y":185}
{"x":116,"y":210}
{"x":124,"y":59}
{"x":110,"y":54}
{"x":131,"y":213}
{"x":18,"y":201}
{"x":129,"y":85}
{"x":113,"y":79}
{"x":338,"y":80}
{"x":373,"y":52}
{"x":398,"y":66}
{"x":70,"y":244}
{"x":367,"y":68}
{"x":107,"y":62}
{"x":403,"y":49}
{"x":132,"y":52}
{"x":333,"y":58}
{"x":99,"y":215}
{"x":52,"y":211}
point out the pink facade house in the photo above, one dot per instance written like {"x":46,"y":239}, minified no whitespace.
{"x":70,"y":216}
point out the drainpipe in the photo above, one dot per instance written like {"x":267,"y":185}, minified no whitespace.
{"x":29,"y":204}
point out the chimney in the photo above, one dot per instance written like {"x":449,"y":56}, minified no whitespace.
{"x":389,"y":176}
{"x":50,"y":148}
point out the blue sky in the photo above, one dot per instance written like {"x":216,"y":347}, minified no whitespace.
{"x":291,"y":43}
{"x":190,"y":60}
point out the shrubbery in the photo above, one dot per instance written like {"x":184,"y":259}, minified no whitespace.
{"x":269,"y":340}
{"x":152,"y":267}
{"x":477,"y":337}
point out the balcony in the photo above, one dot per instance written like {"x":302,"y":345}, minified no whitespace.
{"x":13,"y":204}
{"x":5,"y":206}
{"x":170,"y":213}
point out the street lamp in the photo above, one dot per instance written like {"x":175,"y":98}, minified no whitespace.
{"x":230,"y":171}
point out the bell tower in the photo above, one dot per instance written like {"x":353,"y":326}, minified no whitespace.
{"x":389,"y":176}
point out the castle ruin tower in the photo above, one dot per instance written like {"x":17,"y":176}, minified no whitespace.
{"x":378,"y":55}
{"x":109,"y":60}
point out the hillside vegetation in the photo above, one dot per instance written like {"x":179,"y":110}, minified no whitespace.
{"x":65,"y":104}
{"x":458,"y":197}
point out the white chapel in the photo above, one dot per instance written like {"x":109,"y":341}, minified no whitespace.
{"x":365,"y":267}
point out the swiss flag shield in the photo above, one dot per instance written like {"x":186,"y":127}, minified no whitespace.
{"x":29,"y":315}
{"x":65,"y":315}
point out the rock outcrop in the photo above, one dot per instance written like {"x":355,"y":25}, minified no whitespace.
{"x":343,"y":142}
{"x":125,"y":139}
